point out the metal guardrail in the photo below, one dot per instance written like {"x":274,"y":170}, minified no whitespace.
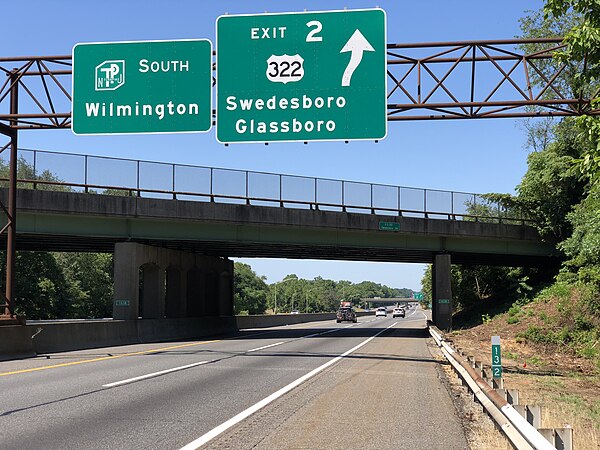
{"x":39,"y":169}
{"x":513,"y":421}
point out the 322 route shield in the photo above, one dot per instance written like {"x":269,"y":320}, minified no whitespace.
{"x":142,"y":87}
{"x":314,"y":76}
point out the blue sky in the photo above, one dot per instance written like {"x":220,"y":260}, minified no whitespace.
{"x":462,"y":155}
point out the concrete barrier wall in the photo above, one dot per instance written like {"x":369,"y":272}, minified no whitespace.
{"x":266,"y":320}
{"x":48,"y":337}
{"x":280,"y":319}
{"x":15,"y":342}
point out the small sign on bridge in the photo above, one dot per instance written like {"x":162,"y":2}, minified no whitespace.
{"x":389,"y":226}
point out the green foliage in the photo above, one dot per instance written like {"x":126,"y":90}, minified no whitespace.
{"x":62,"y":285}
{"x":91,"y":277}
{"x":550,"y":188}
{"x":250,"y":291}
{"x":583,"y":247}
{"x":485,"y":318}
{"x":41,"y":289}
{"x":582,"y":51}
{"x":25,"y":171}
{"x":321,"y":295}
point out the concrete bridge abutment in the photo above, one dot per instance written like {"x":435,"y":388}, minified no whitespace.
{"x":441,"y":285}
{"x":155,"y":283}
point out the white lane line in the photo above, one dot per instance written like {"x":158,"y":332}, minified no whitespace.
{"x":266,"y":346}
{"x":274,"y":396}
{"x":155,"y":374}
{"x":175,"y":369}
{"x":327,"y":332}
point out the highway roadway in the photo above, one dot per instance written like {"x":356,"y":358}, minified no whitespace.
{"x":319,"y":385}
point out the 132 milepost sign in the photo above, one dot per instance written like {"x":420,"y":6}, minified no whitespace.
{"x":301,"y":76}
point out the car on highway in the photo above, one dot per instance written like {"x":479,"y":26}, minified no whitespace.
{"x":398,"y":312}
{"x":295,"y":311}
{"x":345,"y":313}
{"x":381,"y":312}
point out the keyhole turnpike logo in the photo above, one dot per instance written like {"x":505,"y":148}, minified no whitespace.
{"x":110,"y":75}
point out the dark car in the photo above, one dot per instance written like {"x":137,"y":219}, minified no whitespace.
{"x":346,"y":314}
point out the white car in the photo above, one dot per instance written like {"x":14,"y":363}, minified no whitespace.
{"x":398,"y":312}
{"x":381,"y":312}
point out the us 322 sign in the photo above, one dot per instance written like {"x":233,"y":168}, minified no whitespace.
{"x":301,"y":76}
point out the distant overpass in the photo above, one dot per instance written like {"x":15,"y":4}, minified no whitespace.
{"x":391,"y":300}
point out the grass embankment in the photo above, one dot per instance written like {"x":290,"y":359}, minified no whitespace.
{"x":550,"y":352}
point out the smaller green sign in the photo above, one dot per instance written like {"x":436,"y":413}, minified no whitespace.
{"x":496,"y":357}
{"x":122,"y":302}
{"x":142,"y":87}
{"x":418,"y":295}
{"x":389,"y":226}
{"x":444,"y":301}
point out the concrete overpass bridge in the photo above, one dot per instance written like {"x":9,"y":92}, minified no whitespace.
{"x":160,"y":214}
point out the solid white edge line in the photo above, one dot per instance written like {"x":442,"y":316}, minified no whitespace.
{"x":265,"y":346}
{"x":274,"y":396}
{"x":155,"y":374}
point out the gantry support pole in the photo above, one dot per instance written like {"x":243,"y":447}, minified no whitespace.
{"x":11,"y":247}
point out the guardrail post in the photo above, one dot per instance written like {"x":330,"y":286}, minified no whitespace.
{"x":425,"y":202}
{"x":511,"y":395}
{"x":548,"y":434}
{"x":343,"y":198}
{"x":531,"y":413}
{"x":372,"y":208}
{"x":399,"y":204}
{"x":498,"y":383}
{"x":564,"y":438}
{"x":316,"y":200}
{"x":561,"y":438}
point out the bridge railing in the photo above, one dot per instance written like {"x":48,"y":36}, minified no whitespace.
{"x":39,"y":169}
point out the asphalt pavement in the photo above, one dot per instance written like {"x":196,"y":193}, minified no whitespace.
{"x":317,"y":385}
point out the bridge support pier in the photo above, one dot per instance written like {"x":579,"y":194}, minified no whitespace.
{"x":441,"y":292}
{"x":154,"y":283}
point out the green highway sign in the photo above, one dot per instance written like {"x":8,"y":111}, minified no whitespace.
{"x":122,"y":302}
{"x":443,"y":301}
{"x":142,"y":87}
{"x":389,"y":226}
{"x":417,"y":295}
{"x":309,"y":76}
{"x":496,"y":358}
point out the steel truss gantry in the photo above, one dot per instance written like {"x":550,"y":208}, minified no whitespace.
{"x":426,"y":81}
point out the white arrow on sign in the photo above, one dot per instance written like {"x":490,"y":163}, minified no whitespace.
{"x":357,"y":44}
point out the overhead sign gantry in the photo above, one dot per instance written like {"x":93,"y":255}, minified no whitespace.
{"x":309,"y":76}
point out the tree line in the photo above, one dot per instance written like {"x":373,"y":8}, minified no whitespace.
{"x":559,"y":193}
{"x":254,"y":296}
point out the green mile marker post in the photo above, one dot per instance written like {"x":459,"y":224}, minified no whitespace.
{"x":496,"y":358}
